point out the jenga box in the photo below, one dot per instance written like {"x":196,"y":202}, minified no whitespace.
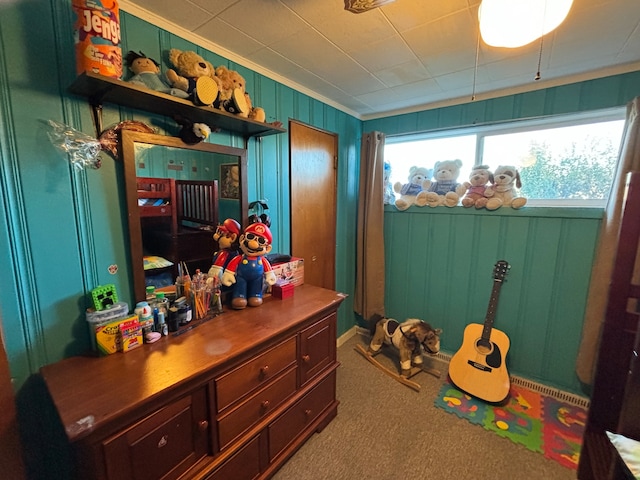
{"x":289,"y":272}
{"x":130,"y":333}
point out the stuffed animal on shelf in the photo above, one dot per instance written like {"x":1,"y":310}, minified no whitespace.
{"x":409,"y":191}
{"x":226,"y":236}
{"x":247,"y":271}
{"x":479,"y":180}
{"x":504,"y":191}
{"x":194,"y":75}
{"x":389,"y":198}
{"x":412,"y":338}
{"x":445,"y":190}
{"x":192,"y":133}
{"x":146,"y":73}
{"x":233,"y":96}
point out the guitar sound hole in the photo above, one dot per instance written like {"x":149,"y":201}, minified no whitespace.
{"x":484,"y":346}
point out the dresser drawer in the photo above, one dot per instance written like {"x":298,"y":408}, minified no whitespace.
{"x":242,"y":465}
{"x":289,"y":425}
{"x":317,"y":348}
{"x":235,"y":384}
{"x":256,"y":407}
{"x":163,"y":445}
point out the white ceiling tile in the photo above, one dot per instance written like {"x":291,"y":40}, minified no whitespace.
{"x":408,"y":14}
{"x":227,"y":36}
{"x":267,"y":21}
{"x":408,"y":72}
{"x":382,"y":54}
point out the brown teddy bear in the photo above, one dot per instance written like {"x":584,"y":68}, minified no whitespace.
{"x":503,"y":192}
{"x":194,"y":75}
{"x":479,"y":180}
{"x":233,"y":96}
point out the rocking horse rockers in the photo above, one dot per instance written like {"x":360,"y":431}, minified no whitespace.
{"x":411,"y":338}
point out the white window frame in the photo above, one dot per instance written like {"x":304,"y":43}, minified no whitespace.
{"x":524,"y":125}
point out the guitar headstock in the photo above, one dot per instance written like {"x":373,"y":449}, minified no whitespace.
{"x":500,"y":270}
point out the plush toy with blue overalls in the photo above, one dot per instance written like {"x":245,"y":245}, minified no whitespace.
{"x":247,"y":271}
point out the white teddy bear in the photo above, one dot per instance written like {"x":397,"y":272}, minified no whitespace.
{"x":409,"y":191}
{"x":445,"y":190}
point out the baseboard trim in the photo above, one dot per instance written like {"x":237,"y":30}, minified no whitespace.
{"x":572,"y":398}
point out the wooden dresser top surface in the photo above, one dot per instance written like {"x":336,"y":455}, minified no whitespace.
{"x":90,"y":391}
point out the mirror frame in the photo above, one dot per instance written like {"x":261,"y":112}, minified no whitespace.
{"x":128,"y":139}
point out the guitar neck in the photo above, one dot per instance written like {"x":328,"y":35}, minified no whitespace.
{"x":491,"y":309}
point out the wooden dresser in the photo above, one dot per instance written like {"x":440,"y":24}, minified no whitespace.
{"x":233,"y":398}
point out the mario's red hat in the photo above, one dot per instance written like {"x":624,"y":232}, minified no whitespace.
{"x":259,"y":229}
{"x":230,"y":226}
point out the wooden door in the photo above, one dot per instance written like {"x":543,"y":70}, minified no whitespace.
{"x":313,"y":161}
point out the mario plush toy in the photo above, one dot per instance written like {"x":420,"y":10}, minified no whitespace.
{"x":247,"y":270}
{"x":226,"y":235}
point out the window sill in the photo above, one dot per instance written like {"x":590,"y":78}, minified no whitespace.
{"x":527,"y":211}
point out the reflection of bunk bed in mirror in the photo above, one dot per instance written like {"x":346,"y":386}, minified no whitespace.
{"x":178,"y":219}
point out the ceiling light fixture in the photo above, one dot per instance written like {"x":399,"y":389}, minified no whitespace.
{"x":515,"y":23}
{"x":359,"y":6}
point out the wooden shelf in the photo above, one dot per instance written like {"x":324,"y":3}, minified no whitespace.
{"x":100,"y":89}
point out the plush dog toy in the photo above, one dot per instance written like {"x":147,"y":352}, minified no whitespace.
{"x":445,"y":190}
{"x":411,"y":338}
{"x":503,"y":192}
{"x":479,"y":180}
{"x":409,"y":191}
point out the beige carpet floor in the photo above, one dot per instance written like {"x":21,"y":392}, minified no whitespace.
{"x":386,"y":431}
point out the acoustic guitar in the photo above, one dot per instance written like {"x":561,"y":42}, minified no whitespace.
{"x":478,"y":367}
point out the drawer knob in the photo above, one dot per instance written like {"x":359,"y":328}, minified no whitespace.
{"x":203,"y":425}
{"x":264,"y":370}
{"x":306,"y":358}
{"x":265,"y":404}
{"x":163,"y":441}
{"x":307,"y":412}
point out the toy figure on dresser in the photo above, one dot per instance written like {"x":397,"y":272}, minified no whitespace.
{"x":247,"y":271}
{"x":409,"y":191}
{"x":226,"y":236}
{"x":147,"y":74}
{"x":445,"y":190}
{"x":479,"y":180}
{"x":504,"y":191}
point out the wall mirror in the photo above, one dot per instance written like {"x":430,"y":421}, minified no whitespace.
{"x":176,"y":195}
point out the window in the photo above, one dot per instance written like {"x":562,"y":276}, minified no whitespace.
{"x":568,"y":161}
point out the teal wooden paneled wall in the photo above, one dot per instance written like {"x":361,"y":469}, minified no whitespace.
{"x":544,"y":347}
{"x":63,"y":227}
{"x":440,"y":268}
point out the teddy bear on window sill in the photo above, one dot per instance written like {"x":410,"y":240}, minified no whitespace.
{"x":445,"y":190}
{"x":479,"y":180}
{"x":146,"y":73}
{"x":504,"y":191}
{"x":193,"y":75}
{"x":410,"y":191}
